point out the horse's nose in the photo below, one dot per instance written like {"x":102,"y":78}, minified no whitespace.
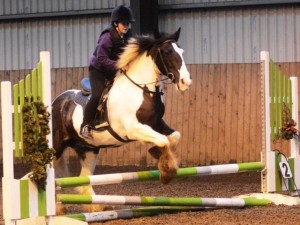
{"x":186,"y":82}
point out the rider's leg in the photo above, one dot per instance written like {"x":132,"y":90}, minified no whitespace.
{"x":97,"y":81}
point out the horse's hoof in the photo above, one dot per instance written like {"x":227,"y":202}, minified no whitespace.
{"x":108,"y":208}
{"x":166,"y":177}
{"x":61,"y":209}
{"x":97,"y":208}
{"x":168,"y":166}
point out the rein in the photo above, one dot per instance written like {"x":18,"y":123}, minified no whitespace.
{"x":139,"y":85}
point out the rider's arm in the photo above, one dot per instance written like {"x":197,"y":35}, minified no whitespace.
{"x":102,"y":59}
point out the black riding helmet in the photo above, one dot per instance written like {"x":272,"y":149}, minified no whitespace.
{"x":122,"y":14}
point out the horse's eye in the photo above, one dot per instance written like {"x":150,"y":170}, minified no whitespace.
{"x":169,"y":51}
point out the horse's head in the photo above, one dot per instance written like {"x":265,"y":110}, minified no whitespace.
{"x":165,"y":53}
{"x":168,"y":57}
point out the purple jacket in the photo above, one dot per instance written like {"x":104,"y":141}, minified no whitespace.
{"x":101,"y":59}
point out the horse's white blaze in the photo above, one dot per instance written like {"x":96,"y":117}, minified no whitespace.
{"x":185,"y":78}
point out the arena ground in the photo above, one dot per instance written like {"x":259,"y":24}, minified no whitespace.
{"x":206,"y":186}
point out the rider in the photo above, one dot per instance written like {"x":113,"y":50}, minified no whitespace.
{"x":102,"y":67}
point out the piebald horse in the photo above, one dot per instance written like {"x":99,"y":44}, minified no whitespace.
{"x":134,"y":107}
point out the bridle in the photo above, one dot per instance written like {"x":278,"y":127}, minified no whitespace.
{"x":169,"y":75}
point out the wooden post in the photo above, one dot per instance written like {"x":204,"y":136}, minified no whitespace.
{"x":146,"y":16}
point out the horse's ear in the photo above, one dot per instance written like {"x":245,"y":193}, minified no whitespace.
{"x":157,"y":35}
{"x":176,"y":34}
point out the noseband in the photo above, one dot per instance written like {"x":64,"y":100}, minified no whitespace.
{"x":168,"y":74}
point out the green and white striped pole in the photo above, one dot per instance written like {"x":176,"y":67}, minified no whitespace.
{"x":130,"y":213}
{"x":154,"y":174}
{"x":160,"y":201}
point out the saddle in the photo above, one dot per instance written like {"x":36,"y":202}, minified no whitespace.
{"x":101,"y":118}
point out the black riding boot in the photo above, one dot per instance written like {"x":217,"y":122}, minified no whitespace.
{"x":86,"y":131}
{"x":97,"y":80}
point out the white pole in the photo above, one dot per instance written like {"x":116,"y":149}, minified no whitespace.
{"x":268,"y":183}
{"x":46,"y":79}
{"x":7,"y":136}
{"x":294,"y":143}
{"x":264,"y":56}
{"x":8,"y":152}
{"x":46,"y":71}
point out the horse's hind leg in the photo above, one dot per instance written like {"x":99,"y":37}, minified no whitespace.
{"x":88,"y":165}
{"x":61,"y":170}
{"x":61,"y":165}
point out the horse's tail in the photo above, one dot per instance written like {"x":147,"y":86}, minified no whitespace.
{"x":62,"y":110}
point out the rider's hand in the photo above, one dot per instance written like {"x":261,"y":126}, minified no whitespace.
{"x":125,"y":68}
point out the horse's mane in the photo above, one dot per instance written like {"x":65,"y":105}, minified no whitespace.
{"x":138,"y":45}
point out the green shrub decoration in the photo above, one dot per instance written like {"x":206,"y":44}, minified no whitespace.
{"x":36,"y":150}
{"x":288,"y":130}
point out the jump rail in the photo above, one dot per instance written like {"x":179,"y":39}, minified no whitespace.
{"x":160,"y":201}
{"x":154,"y":174}
{"x":131,"y":213}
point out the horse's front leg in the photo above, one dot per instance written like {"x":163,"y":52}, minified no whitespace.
{"x":167,"y":165}
{"x":173,"y":138}
{"x":167,"y":161}
{"x":159,"y":153}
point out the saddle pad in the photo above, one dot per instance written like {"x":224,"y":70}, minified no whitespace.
{"x":81,"y":99}
{"x":85,"y":84}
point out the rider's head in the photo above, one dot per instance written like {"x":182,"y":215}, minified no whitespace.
{"x":121,"y":17}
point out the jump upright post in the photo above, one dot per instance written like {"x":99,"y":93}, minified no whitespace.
{"x":21,"y":198}
{"x":278,"y":91}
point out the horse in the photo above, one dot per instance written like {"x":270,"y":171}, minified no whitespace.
{"x":134,"y":107}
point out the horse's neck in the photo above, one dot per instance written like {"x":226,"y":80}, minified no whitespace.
{"x":143,"y":71}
